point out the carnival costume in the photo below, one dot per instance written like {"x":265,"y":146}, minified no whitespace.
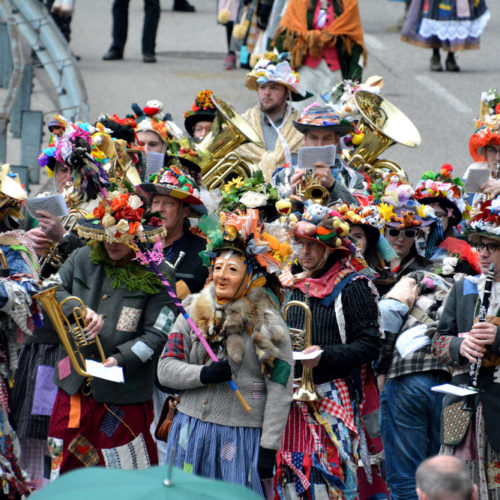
{"x":212,"y":434}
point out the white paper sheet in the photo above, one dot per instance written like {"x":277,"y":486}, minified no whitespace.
{"x":111,"y":373}
{"x":453,"y":389}
{"x":310,"y":155}
{"x":476,"y":177}
{"x":154,"y":162}
{"x":53,"y":204}
{"x":310,"y":355}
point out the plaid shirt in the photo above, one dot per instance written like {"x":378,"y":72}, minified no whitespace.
{"x":425,"y":312}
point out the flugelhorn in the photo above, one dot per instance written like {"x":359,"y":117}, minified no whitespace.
{"x":73,"y":338}
{"x":310,"y":188}
{"x":301,"y":339}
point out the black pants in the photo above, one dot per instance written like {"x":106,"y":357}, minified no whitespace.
{"x":120,"y":25}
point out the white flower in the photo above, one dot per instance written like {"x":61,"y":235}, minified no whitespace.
{"x":447,"y":270}
{"x":251,"y":199}
{"x":134,"y":202}
{"x":450,"y":261}
{"x":108,"y":220}
{"x":122,"y":226}
{"x":111,"y":230}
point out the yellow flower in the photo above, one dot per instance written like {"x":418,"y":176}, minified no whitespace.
{"x":237,"y":183}
{"x":386,"y":211}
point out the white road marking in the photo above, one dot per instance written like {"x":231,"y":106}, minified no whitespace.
{"x":443,"y":93}
{"x":373,"y":42}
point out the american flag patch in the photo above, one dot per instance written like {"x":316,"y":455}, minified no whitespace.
{"x":228,"y":452}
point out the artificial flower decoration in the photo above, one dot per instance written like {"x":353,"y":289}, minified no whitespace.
{"x":485,"y":222}
{"x":487,"y":126}
{"x":202,"y":102}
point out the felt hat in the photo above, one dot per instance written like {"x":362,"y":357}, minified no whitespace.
{"x":487,"y":126}
{"x":320,"y":117}
{"x":203,"y":109}
{"x":485,"y":222}
{"x":443,"y":189}
{"x":188,"y":155}
{"x":120,"y":219}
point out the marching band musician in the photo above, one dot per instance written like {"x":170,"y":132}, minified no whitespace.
{"x":463,"y":343}
{"x":323,"y":440}
{"x":95,"y":421}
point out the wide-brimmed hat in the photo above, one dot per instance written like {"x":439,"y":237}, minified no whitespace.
{"x":203,"y":109}
{"x":322,"y":117}
{"x":485,"y":222}
{"x":120,"y":219}
{"x":188,"y":156}
{"x":12,"y":193}
{"x":443,"y":189}
{"x":487,"y":126}
{"x":172,"y":181}
{"x":274,"y":68}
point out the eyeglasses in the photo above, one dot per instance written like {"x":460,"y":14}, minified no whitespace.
{"x":492,"y":150}
{"x":407,"y":233}
{"x":490,"y":247}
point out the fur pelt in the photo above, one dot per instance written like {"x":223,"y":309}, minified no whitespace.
{"x":256,"y":315}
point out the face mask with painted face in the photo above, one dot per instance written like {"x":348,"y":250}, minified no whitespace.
{"x":230,"y":275}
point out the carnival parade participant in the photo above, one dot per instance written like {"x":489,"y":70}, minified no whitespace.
{"x":19,"y":315}
{"x":451,"y":26}
{"x":277,"y":85}
{"x":321,"y":126}
{"x":467,"y":338}
{"x":198,"y":120}
{"x":324,"y":440}
{"x":96,"y":421}
{"x":239,"y":316}
{"x":325,"y":40}
{"x":484,"y":145}
{"x":445,"y":195}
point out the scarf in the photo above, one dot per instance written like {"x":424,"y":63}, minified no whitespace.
{"x":269,"y":161}
{"x":131,"y":276}
{"x":300,"y":40}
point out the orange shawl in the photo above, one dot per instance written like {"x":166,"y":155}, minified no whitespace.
{"x":300,"y":41}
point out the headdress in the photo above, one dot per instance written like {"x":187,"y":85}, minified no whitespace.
{"x":319,"y":117}
{"x":368,"y":217}
{"x":120,"y":219}
{"x":153,"y":119}
{"x":172,"y":181}
{"x":443,"y":189}
{"x":274,"y":68}
{"x":203,"y":109}
{"x":12,"y":193}
{"x":487,"y":127}
{"x":188,"y":155}
{"x":486,"y":222}
{"x":57,"y":121}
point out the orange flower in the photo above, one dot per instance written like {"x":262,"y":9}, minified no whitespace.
{"x":99,"y":211}
{"x":132,"y":227}
{"x":119,"y":202}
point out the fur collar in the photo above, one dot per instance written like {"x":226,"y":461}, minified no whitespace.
{"x":255,"y":314}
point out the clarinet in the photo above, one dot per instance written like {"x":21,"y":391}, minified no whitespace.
{"x":483,"y":311}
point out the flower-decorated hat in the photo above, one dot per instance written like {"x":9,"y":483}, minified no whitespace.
{"x":316,"y":116}
{"x":485,"y":223}
{"x":274,"y":68}
{"x":152,"y":118}
{"x":172,"y":181}
{"x":368,"y":217}
{"x":12,"y":193}
{"x":443,"y":189}
{"x":203,"y":109}
{"x":487,"y":127}
{"x":188,"y":156}
{"x":120,"y":219}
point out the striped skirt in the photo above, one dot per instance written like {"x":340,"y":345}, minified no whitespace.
{"x":216,"y":451}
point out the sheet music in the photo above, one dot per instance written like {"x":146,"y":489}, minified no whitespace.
{"x":310,"y":355}
{"x":154,"y":162}
{"x":453,"y":389}
{"x":111,"y":373}
{"x":308,"y":156}
{"x":476,"y":177}
{"x":54,"y":204}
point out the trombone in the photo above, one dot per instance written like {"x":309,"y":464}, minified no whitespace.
{"x":301,"y":339}
{"x":73,"y":338}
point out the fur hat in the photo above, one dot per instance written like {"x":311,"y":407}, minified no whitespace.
{"x":443,"y":189}
{"x":119,"y":219}
{"x":487,"y":127}
{"x":316,"y":117}
{"x":485,"y":223}
{"x":203,"y":109}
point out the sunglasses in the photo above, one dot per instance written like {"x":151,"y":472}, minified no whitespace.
{"x":407,"y":233}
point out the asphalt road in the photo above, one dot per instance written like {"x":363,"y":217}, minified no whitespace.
{"x":191,"y":46}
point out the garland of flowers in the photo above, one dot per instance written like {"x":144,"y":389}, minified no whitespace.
{"x":132,"y":276}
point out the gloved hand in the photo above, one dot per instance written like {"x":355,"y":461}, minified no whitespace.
{"x":265,"y":463}
{"x":215,"y":373}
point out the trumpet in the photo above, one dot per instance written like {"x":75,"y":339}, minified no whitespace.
{"x":310,"y":188}
{"x":73,"y":338}
{"x":301,"y":339}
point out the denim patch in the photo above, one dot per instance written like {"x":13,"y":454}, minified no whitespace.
{"x":110,"y":422}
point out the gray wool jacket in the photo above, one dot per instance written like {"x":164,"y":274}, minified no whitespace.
{"x":216,"y":403}
{"x":131,"y":332}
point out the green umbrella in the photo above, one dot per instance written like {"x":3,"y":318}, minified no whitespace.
{"x":109,"y":484}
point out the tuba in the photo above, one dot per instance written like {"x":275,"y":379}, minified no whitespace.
{"x":229,"y":131}
{"x":73,"y":338}
{"x":301,"y":339}
{"x":382,"y":124}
